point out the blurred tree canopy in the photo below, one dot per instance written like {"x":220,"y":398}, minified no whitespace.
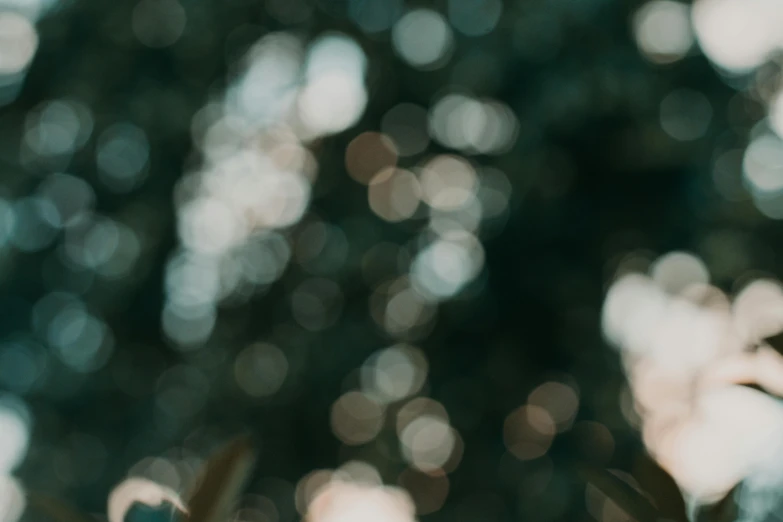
{"x":592,"y":176}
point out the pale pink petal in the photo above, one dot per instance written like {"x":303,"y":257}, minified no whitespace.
{"x":143,"y":491}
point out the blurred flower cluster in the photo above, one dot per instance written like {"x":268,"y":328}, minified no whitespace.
{"x":688,"y":350}
{"x":353,"y":493}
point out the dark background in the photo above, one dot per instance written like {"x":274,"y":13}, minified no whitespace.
{"x":593,"y":177}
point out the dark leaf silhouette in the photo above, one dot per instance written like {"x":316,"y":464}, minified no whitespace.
{"x":722,"y":511}
{"x":221,"y":483}
{"x":624,"y":495}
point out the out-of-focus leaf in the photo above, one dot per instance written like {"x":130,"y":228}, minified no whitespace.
{"x":776,"y":342}
{"x":222,"y":481}
{"x":625,"y":496}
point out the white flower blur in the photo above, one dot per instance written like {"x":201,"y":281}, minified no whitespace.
{"x":687,"y":350}
{"x":138,"y":490}
{"x":340,"y":501}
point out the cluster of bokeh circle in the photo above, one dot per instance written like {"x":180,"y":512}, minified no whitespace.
{"x":243,"y":217}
